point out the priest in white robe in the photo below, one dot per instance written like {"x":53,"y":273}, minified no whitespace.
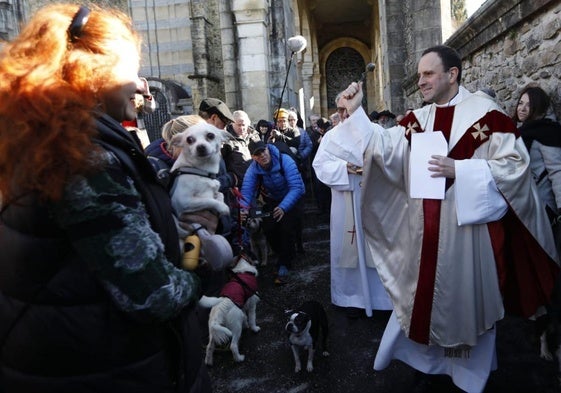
{"x":451,"y":265}
{"x":354,"y":280}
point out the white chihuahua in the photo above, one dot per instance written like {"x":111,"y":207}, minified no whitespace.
{"x":195,"y":171}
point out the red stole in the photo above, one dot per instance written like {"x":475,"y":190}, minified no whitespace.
{"x":526,"y":273}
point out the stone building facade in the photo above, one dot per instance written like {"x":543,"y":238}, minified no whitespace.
{"x":236,"y":50}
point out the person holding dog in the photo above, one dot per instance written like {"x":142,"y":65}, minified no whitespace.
{"x":276,"y":176}
{"x":161,"y":153}
{"x":91,"y":290}
{"x":467,"y":243}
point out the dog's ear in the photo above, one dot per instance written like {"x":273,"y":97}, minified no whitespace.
{"x":178,"y":140}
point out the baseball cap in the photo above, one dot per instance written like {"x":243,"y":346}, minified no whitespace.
{"x":256,"y":146}
{"x":215,"y":106}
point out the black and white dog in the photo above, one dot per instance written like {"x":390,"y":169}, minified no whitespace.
{"x":307,"y":326}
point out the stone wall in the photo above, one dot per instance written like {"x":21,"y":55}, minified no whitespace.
{"x":207,"y":50}
{"x":506,"y":45}
{"x":423,"y":28}
{"x":528,"y":52}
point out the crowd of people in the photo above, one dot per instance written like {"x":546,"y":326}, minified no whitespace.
{"x":92,"y":292}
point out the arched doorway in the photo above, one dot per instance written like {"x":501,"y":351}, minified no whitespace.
{"x":343,"y":66}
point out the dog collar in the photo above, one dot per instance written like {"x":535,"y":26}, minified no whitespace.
{"x":188,"y":170}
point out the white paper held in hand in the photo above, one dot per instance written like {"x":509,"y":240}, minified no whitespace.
{"x":423,"y":146}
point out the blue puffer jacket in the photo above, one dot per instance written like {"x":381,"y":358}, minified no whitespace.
{"x":284,"y":186}
{"x":305,"y":147}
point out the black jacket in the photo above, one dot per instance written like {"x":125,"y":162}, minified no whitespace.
{"x":60,"y":331}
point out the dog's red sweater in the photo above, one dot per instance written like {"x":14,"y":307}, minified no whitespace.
{"x":239,"y":293}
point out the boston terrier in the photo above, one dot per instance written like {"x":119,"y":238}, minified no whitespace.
{"x":306,"y":327}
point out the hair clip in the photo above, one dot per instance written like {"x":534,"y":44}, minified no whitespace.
{"x":78,"y":23}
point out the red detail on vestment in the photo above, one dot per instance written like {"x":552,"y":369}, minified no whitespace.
{"x":352,"y":234}
{"x":495,"y":122}
{"x":526,"y":273}
{"x":422,"y":306}
{"x":443,"y":120}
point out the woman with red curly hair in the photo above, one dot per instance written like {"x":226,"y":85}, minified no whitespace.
{"x":92,"y":297}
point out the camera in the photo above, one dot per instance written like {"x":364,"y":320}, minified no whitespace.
{"x":257,"y":212}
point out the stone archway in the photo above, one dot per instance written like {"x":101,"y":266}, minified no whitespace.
{"x":360,"y":54}
{"x":343,"y":66}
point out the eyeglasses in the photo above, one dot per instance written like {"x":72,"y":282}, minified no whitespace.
{"x":291,"y":119}
{"x":78,"y":22}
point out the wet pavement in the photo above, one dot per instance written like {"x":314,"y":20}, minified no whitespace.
{"x":269,"y":366}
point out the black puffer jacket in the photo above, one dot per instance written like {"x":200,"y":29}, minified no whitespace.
{"x":59,"y":329}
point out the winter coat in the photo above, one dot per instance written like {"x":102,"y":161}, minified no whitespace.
{"x":236,"y":155}
{"x":305,"y":147}
{"x":543,"y":140}
{"x":158,"y":149}
{"x":63,"y":326}
{"x":282,"y":184}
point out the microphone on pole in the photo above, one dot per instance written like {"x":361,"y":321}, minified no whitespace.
{"x":369,"y":68}
{"x":296,"y":44}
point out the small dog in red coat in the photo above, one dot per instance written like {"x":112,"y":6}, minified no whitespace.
{"x":233,"y":310}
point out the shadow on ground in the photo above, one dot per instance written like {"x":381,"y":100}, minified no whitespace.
{"x":269,"y":367}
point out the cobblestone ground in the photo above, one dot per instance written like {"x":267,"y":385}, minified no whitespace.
{"x":269,"y":367}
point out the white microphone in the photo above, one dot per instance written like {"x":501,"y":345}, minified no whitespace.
{"x":297,"y":43}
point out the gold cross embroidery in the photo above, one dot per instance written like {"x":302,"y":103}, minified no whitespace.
{"x":480,"y":132}
{"x":411,"y":128}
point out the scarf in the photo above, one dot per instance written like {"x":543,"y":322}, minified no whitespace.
{"x":545,"y":131}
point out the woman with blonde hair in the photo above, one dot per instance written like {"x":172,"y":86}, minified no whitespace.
{"x":92,"y":297}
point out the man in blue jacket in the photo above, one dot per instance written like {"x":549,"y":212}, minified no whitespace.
{"x":275,"y":179}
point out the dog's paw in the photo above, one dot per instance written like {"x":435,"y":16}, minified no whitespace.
{"x":310,"y":367}
{"x":545,"y":353}
{"x":239,"y":358}
{"x":255,"y":329}
{"x":325,"y":354}
{"x":297,"y":369}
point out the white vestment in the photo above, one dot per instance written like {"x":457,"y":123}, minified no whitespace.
{"x":354,"y":279}
{"x":461,"y":296}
